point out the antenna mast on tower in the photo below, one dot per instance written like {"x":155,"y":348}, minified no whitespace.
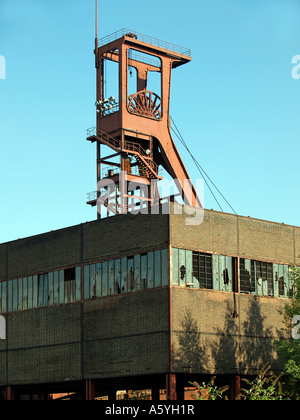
{"x":96,"y":25}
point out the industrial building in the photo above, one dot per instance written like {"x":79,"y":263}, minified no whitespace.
{"x":142,"y":299}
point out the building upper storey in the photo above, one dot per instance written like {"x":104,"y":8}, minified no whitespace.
{"x":129,"y":253}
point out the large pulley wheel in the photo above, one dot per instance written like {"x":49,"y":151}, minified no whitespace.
{"x":145,"y":103}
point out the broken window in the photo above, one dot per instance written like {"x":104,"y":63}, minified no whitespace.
{"x":256,"y":277}
{"x":247,"y":282}
{"x":70,"y":284}
{"x":202,"y":269}
{"x":43,"y":290}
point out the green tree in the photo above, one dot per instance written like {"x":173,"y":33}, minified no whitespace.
{"x":289,"y":349}
{"x":209,"y":391}
{"x":263,"y":387}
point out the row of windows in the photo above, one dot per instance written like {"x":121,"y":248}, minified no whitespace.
{"x":129,"y":274}
{"x":145,"y":271}
{"x":219,"y":272}
{"x":47,"y":289}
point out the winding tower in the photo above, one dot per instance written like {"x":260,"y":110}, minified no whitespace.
{"x":135,"y":123}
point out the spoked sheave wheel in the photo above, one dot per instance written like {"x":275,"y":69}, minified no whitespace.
{"x":145,"y":103}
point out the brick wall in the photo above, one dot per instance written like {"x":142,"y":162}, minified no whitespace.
{"x":207,"y":337}
{"x":90,"y":242}
{"x":124,"y":335}
{"x":129,"y":334}
{"x":228,"y":234}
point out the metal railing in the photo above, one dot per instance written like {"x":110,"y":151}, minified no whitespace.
{"x":128,"y":145}
{"x":94,"y":131}
{"x":134,"y":147}
{"x":147,"y":39}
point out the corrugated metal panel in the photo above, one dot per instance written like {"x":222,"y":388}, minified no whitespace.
{"x":175,"y":272}
{"x":157,"y":279}
{"x":118,"y":276}
{"x":164,"y":267}
{"x":287,"y":285}
{"x":229,"y":272}
{"x":15,"y":295}
{"x":29,"y":287}
{"x":182,"y":267}
{"x":222,"y":270}
{"x":259,"y":283}
{"x":276,"y":279}
{"x":150,"y":270}
{"x":55,"y":288}
{"x":111,"y":277}
{"x":104,"y":278}
{"x":98,"y":275}
{"x":20,"y":291}
{"x":130,"y":275}
{"x":92,"y":286}
{"x":124,"y":284}
{"x":144,"y":269}
{"x":51,"y":286}
{"x":3,"y":305}
{"x":35,"y":291}
{"x":86,"y":286}
{"x":61,"y":295}
{"x":189,"y":267}
{"x":137,"y":272}
{"x":78,"y":283}
{"x":216,"y":280}
{"x":25,"y":293}
{"x":10,"y":296}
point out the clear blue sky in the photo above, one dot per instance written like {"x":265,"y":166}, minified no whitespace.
{"x":236,"y":104}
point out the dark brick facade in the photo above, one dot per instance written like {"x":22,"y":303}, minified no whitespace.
{"x":148,"y":332}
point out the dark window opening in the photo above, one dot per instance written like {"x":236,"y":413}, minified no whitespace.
{"x":70,"y":284}
{"x":256,"y":274}
{"x":226,"y":276}
{"x":182,"y":272}
{"x":247,"y":285}
{"x":281,"y":286}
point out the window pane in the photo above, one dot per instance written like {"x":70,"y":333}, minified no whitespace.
{"x":202,"y":270}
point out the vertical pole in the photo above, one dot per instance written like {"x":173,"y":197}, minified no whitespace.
{"x":155,"y":392}
{"x":235,"y":386}
{"x":9,"y":394}
{"x":171,"y":386}
{"x":90,"y":390}
{"x":96,"y":29}
{"x":98,"y":145}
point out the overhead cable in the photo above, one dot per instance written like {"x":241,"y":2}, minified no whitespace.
{"x":201,"y":170}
